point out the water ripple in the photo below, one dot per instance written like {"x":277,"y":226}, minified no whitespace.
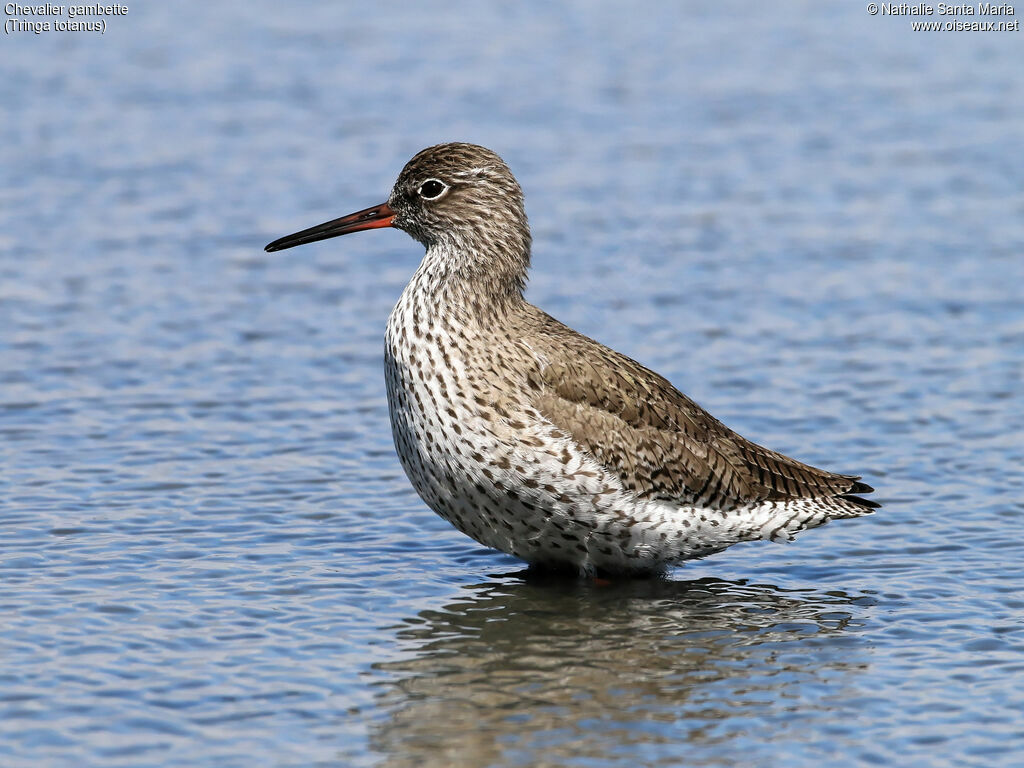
{"x":811,"y":222}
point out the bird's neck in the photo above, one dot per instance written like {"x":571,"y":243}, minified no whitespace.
{"x":481,"y":282}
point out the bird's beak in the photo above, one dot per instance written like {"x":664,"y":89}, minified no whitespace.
{"x":370,"y":218}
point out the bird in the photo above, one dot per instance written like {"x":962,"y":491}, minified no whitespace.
{"x":536,"y":440}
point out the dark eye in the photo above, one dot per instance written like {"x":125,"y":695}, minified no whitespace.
{"x":431,"y":189}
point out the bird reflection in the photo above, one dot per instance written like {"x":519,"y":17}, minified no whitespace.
{"x":533,"y":670}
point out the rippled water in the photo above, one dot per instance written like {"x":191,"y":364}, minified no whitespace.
{"x":810,"y":219}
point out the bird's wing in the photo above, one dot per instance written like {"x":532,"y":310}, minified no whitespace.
{"x":660,"y":443}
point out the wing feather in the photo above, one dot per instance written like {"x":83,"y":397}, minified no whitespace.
{"x":659,"y":442}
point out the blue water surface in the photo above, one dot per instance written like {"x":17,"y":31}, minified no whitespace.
{"x":809,"y":218}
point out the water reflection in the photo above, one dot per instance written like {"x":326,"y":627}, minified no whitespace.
{"x":535,"y":672}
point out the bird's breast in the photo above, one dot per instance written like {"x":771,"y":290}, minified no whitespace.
{"x":433,"y":394}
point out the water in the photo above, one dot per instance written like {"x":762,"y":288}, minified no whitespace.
{"x":810,"y":219}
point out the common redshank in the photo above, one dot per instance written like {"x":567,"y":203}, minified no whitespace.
{"x":536,"y":440}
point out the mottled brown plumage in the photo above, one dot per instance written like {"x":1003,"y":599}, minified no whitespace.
{"x":661,"y":443}
{"x":537,"y":440}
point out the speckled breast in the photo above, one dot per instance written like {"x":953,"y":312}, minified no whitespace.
{"x":463,"y":442}
{"x":443,"y":443}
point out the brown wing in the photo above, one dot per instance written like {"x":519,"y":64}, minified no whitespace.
{"x":659,"y":442}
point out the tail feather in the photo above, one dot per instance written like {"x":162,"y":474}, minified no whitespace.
{"x":852,"y":496}
{"x":867,"y":504}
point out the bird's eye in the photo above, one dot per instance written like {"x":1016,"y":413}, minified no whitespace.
{"x":431,"y":189}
